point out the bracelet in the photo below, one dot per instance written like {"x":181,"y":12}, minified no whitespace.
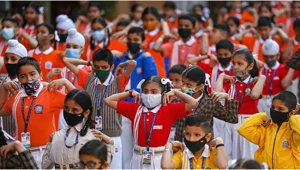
{"x":130,"y":93}
{"x":219,"y":145}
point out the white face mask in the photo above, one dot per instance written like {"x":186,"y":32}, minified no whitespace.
{"x":151,"y":100}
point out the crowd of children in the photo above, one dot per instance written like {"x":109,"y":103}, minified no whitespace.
{"x":151,"y":90}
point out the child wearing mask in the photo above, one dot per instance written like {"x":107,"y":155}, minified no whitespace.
{"x":100,"y":84}
{"x":175,"y":75}
{"x":64,"y":23}
{"x":35,"y":104}
{"x":151,"y":121}
{"x":247,"y":92}
{"x":200,"y":151}
{"x":276,"y":133}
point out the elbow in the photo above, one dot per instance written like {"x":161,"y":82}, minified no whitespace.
{"x":106,"y":101}
{"x":194,"y":103}
{"x":165,"y":165}
{"x":132,"y":63}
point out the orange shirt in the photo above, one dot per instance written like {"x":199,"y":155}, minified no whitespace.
{"x":69,"y":75}
{"x":41,"y":123}
{"x":32,"y":31}
{"x":243,"y":16}
{"x":172,"y":23}
{"x":61,"y":46}
{"x":150,"y":39}
{"x":3,"y":47}
{"x":48,"y":60}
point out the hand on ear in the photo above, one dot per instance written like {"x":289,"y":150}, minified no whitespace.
{"x":296,"y":111}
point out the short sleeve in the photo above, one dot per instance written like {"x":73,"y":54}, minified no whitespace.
{"x":82,"y":77}
{"x":123,"y":81}
{"x":167,"y":49}
{"x":213,"y":156}
{"x":9,"y":103}
{"x":127,"y":109}
{"x":177,"y":159}
{"x":177,"y":110}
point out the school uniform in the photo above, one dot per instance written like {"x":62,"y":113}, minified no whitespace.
{"x":31,"y":31}
{"x":61,"y":46}
{"x":217,"y":70}
{"x":172,"y":23}
{"x":159,"y":121}
{"x":39,"y":110}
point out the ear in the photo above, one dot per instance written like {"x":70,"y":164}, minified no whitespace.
{"x":293,"y":112}
{"x":86,"y":113}
{"x":208,"y":137}
{"x":201,"y":86}
{"x":51,"y":36}
{"x":250,"y":67}
{"x":112,"y":67}
{"x":105,"y":165}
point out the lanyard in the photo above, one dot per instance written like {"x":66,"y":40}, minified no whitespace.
{"x":69,"y":78}
{"x":76,"y":140}
{"x":244,"y":92}
{"x":186,"y":53}
{"x":28,"y":114}
{"x":97,"y":97}
{"x":151,"y":129}
{"x":229,"y":72}
{"x":268,"y":81}
{"x":202,"y":166}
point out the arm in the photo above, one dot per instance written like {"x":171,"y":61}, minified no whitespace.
{"x":222,"y":159}
{"x":1,"y":62}
{"x":258,"y":88}
{"x":3,"y":95}
{"x":130,"y":64}
{"x":189,"y":100}
{"x":71,"y":64}
{"x":32,"y":41}
{"x":56,"y":84}
{"x":219,"y":83}
{"x":288,"y":78}
{"x":205,"y":44}
{"x":294,"y":125}
{"x":259,"y":64}
{"x":287,"y":50}
{"x":112,"y":101}
{"x":158,"y":44}
{"x":166,"y":160}
{"x":284,"y":37}
{"x":195,"y":60}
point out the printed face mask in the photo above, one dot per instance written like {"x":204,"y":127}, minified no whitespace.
{"x":151,"y":100}
{"x":31,"y":87}
{"x":240,"y":74}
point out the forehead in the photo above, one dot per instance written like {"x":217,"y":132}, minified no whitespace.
{"x":152,"y":85}
{"x":187,"y":80}
{"x":194,"y":129}
{"x":72,"y":103}
{"x":12,"y":55}
{"x":101,"y":63}
{"x":72,"y":45}
{"x":134,"y":36}
{"x":223,"y":50}
{"x":185,"y":22}
{"x":8,"y":23}
{"x":264,"y":27}
{"x":26,"y":69}
{"x":42,"y":28}
{"x":175,"y":76}
{"x":239,"y":58}
{"x":278,"y":103}
{"x":98,"y":25}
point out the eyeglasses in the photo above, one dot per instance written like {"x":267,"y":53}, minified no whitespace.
{"x":89,"y":164}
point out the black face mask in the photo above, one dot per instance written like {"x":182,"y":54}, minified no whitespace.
{"x":224,"y":61}
{"x":271,"y":63}
{"x":184,"y":32}
{"x":195,"y":146}
{"x":11,"y":69}
{"x":73,"y":119}
{"x":62,"y":37}
{"x":279,"y":117}
{"x":133,"y":47}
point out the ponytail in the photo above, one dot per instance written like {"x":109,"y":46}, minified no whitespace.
{"x":254,"y":72}
{"x":87,"y":125}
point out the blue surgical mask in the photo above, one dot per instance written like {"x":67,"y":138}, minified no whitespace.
{"x":189,"y":91}
{"x":98,"y":35}
{"x":73,"y":53}
{"x":7,"y":33}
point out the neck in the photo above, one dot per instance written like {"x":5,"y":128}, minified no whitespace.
{"x":197,"y":94}
{"x":198,"y":154}
{"x":187,"y":39}
{"x":244,"y":78}
{"x":297,"y":39}
{"x":224,"y":67}
{"x":44,"y":47}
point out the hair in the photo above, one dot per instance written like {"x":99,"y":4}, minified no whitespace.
{"x":151,"y":10}
{"x":196,"y":74}
{"x":170,"y":4}
{"x":225,"y":44}
{"x":13,"y":21}
{"x":249,"y":59}
{"x":245,"y":164}
{"x":95,"y":148}
{"x":34,"y":5}
{"x":101,"y":21}
{"x":25,"y":61}
{"x":137,"y":30}
{"x":2,"y":138}
{"x":187,"y":17}
{"x":123,"y":23}
{"x":103,"y":55}
{"x":135,"y":6}
{"x":199,"y":121}
{"x":177,"y":69}
{"x":197,"y":6}
{"x":83,"y":99}
{"x":235,"y":20}
{"x":264,"y":22}
{"x":224,"y":28}
{"x":269,"y":9}
{"x":199,"y":18}
{"x":51,"y":30}
{"x":94,"y":4}
{"x":156,"y":79}
{"x":288,"y":98}
{"x":296,"y":24}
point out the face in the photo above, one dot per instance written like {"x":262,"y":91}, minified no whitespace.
{"x":187,"y":83}
{"x":169,"y":12}
{"x":150,"y":22}
{"x":236,"y":4}
{"x":73,"y":108}
{"x":93,"y":13}
{"x":240,"y":63}
{"x":232,"y":27}
{"x":11,"y":58}
{"x":152,"y":88}
{"x":279,"y":106}
{"x":97,"y":27}
{"x":176,"y":80}
{"x":74,"y":46}
{"x":43,"y":36}
{"x":271,"y":57}
{"x":296,"y":9}
{"x":184,"y":23}
{"x":264,"y":32}
{"x":265,"y":12}
{"x":134,"y":38}
{"x":8,"y":24}
{"x":223,"y":53}
{"x":30,"y":15}
{"x":137,"y":14}
{"x":91,"y":162}
{"x":215,"y":36}
{"x":28,"y":73}
{"x":198,"y":26}
{"x":61,"y":31}
{"x":198,"y":10}
{"x":102,"y":65}
{"x":195,"y":133}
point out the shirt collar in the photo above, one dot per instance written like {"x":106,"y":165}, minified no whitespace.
{"x":199,"y":33}
{"x":107,"y":81}
{"x":14,"y":80}
{"x":274,"y":67}
{"x":245,"y":81}
{"x":23,"y":93}
{"x":46,"y":52}
{"x":140,"y":22}
{"x":30,"y":27}
{"x":172,"y":19}
{"x":155,"y":110}
{"x":79,"y":126}
{"x":261,"y":41}
{"x":190,"y":42}
{"x":154,"y":32}
{"x":200,"y":97}
{"x":228,"y":68}
{"x":206,"y":152}
{"x":137,"y":54}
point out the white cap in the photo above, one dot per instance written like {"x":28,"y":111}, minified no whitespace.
{"x":270,"y":47}
{"x":64,"y":22}
{"x":75,"y":37}
{"x":16,"y":48}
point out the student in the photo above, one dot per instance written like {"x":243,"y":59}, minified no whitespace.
{"x":64,"y":23}
{"x":169,"y":9}
{"x":199,"y":149}
{"x":47,"y":57}
{"x":247,"y":92}
{"x":233,"y":24}
{"x":246,"y":164}
{"x":199,"y":28}
{"x":295,"y":14}
{"x":121,"y":25}
{"x":278,"y":76}
{"x":99,"y":84}
{"x":195,"y":83}
{"x":294,"y":42}
{"x":36,"y":104}
{"x":276,"y":134}
{"x":136,"y":11}
{"x":180,"y":51}
{"x":149,"y":144}
{"x":14,"y":52}
{"x":175,"y":75}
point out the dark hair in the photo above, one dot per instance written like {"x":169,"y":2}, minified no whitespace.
{"x":195,"y":74}
{"x":288,"y":98}
{"x":264,"y":22}
{"x":103,"y":55}
{"x":177,"y":69}
{"x":101,"y":21}
{"x":266,"y":5}
{"x":245,"y":164}
{"x":296,"y":23}
{"x":250,"y":59}
{"x":199,"y":18}
{"x":83,"y":99}
{"x":13,"y":21}
{"x":137,"y":30}
{"x":170,"y":4}
{"x":225,"y":44}
{"x":156,"y":79}
{"x":34,"y":5}
{"x":123,"y":23}
{"x":95,"y":148}
{"x":151,"y":10}
{"x":197,"y":6}
{"x":51,"y":30}
{"x":135,"y":6}
{"x":94,"y":4}
{"x":235,"y":20}
{"x":2,"y":138}
{"x":199,"y":121}
{"x":223,"y":28}
{"x":28,"y":61}
{"x":187,"y":17}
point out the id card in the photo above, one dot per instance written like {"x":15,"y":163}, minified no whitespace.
{"x":25,"y":139}
{"x":147,"y":158}
{"x":172,"y":134}
{"x":98,"y":120}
